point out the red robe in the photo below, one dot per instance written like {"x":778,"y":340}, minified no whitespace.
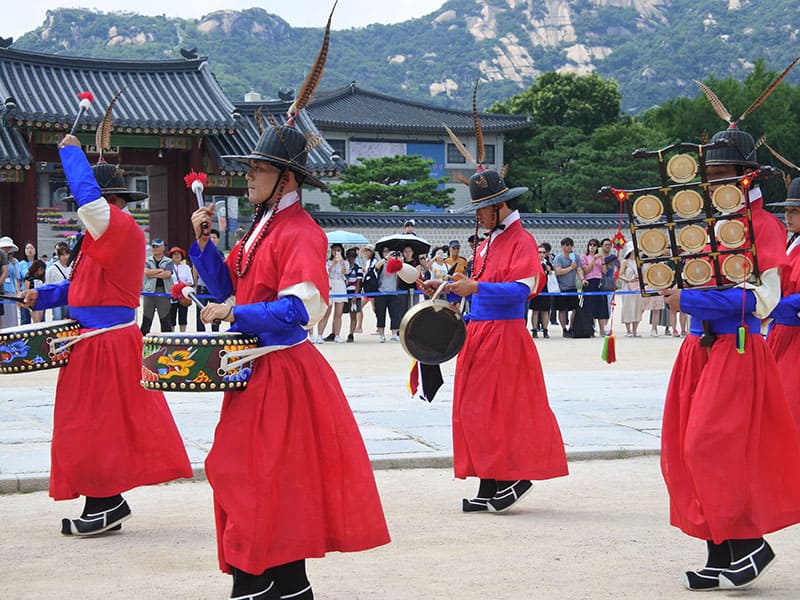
{"x":784,"y":340}
{"x":730,"y":450}
{"x":109,"y":433}
{"x":503,"y":427}
{"x":290,"y":472}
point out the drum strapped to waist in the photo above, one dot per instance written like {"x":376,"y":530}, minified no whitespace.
{"x":197,"y":362}
{"x":36,"y":346}
{"x":433,"y":331}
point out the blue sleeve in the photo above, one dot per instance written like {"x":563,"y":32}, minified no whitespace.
{"x":507,"y":291}
{"x":787,"y":308}
{"x":52,"y":294}
{"x":709,"y":305}
{"x":281,"y":316}
{"x":212,"y":269}
{"x":79,"y":174}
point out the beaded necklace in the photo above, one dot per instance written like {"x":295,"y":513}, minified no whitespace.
{"x":241,"y":269}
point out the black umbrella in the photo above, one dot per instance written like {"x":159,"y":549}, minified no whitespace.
{"x":400,"y":241}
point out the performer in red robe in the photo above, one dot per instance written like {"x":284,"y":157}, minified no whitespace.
{"x":290,"y":473}
{"x":109,"y":433}
{"x":784,"y":337}
{"x":503,"y":429}
{"x":729,"y":440}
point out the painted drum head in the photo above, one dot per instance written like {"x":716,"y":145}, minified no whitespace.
{"x":682,"y":168}
{"x":687,"y":204}
{"x":697,"y":271}
{"x":653,"y":242}
{"x":727,"y":198}
{"x":692,"y":238}
{"x":658,"y":276}
{"x":647,"y":208}
{"x":737,"y":268}
{"x":731,"y":234}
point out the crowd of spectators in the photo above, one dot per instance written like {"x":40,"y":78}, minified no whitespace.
{"x":358,"y":279}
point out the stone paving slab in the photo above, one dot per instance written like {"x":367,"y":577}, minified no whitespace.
{"x":597,"y":415}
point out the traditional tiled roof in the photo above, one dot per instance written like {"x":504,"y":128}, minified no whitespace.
{"x":14,"y":153}
{"x":244,"y":139}
{"x":355,"y":109}
{"x":161,"y":96}
{"x":395,"y":220}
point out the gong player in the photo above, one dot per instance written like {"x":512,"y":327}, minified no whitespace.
{"x":504,"y":432}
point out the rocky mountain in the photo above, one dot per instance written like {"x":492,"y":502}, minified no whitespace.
{"x":653,"y":48}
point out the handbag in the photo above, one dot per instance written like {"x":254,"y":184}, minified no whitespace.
{"x":552,"y":283}
{"x":582,"y":325}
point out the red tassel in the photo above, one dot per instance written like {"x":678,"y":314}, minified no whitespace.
{"x":393,"y":265}
{"x":609,"y":353}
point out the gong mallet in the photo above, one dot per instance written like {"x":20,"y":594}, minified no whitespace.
{"x":197,"y":183}
{"x":86,"y":99}
{"x":190,"y":293}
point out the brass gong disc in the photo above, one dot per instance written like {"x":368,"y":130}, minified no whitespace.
{"x":732,"y":234}
{"x":647,"y":208}
{"x":737,"y":268}
{"x":697,"y":271}
{"x":687,"y":204}
{"x":653,"y":242}
{"x":727,"y":198}
{"x":692,"y":238}
{"x":658,"y":276}
{"x":682,"y":168}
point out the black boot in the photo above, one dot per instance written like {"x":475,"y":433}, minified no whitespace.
{"x":292,"y":581}
{"x":99,"y":515}
{"x":480,"y":503}
{"x":247,"y":586}
{"x":508,"y":493}
{"x":545,"y":334}
{"x":166,"y":325}
{"x":707,"y":578}
{"x":749,"y":559}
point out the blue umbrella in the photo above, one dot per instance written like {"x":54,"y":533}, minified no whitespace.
{"x":346,"y":238}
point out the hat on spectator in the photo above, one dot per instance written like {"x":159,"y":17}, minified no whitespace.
{"x":410,"y":223}
{"x":177,"y":249}
{"x":454,"y":244}
{"x":352,"y":251}
{"x":7,"y":242}
{"x":157,"y":242}
{"x":370,"y":247}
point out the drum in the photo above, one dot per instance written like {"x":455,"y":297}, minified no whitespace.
{"x":682,"y":168}
{"x":36,"y":346}
{"x":433,"y":331}
{"x":647,"y":208}
{"x":195,"y":362}
{"x":687,"y":204}
{"x":658,"y":276}
{"x":697,"y":271}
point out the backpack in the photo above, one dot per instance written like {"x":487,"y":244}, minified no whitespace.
{"x":369,"y":283}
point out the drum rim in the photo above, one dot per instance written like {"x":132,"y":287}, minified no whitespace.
{"x":724,"y":188}
{"x":659,"y":266}
{"x":695,"y":247}
{"x":741,"y":241}
{"x":651,"y":232}
{"x":733,"y":256}
{"x":422,"y":306}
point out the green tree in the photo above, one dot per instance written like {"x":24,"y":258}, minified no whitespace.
{"x":584,"y":102}
{"x":390,"y":183}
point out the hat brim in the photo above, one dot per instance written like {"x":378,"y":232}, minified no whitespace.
{"x":508,"y":194}
{"x":281,"y":163}
{"x":735,"y":163}
{"x":788,"y":202}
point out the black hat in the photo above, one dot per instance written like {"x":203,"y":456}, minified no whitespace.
{"x":740,"y":151}
{"x":487,"y":187}
{"x":112,"y":183}
{"x":283,"y":146}
{"x":792,"y":195}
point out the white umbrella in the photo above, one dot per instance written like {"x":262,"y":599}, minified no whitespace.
{"x":346,"y":238}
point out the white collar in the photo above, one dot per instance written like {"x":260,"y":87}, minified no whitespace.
{"x":286,"y":201}
{"x":511,"y":218}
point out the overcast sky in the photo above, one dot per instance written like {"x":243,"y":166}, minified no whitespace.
{"x":298,"y":13}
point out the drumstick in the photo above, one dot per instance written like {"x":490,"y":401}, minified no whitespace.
{"x":86,"y":99}
{"x":189,"y":292}
{"x":197,"y":183}
{"x":14,"y":298}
